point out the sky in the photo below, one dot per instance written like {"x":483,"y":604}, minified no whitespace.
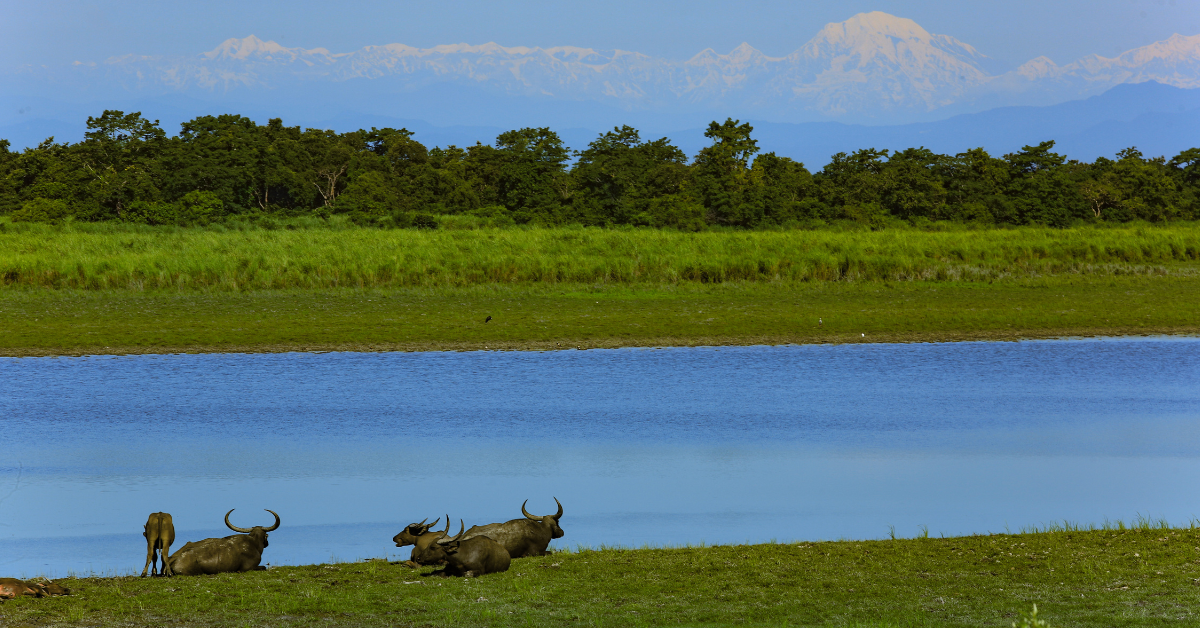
{"x":51,"y":32}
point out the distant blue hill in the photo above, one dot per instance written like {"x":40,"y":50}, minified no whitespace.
{"x":1158,"y":119}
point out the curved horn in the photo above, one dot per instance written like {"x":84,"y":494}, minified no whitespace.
{"x":560,"y":510}
{"x":446,"y":532}
{"x":446,"y":540}
{"x":233,"y":527}
{"x":526,"y":512}
{"x":276,"y":520}
{"x":427,"y":519}
{"x":435,"y":522}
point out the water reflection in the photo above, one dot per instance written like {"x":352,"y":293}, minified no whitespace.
{"x":643,"y":446}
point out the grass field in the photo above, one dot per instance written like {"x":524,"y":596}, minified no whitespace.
{"x":72,"y":322}
{"x":1147,"y":575}
{"x":129,"y":289}
{"x":151,"y":258}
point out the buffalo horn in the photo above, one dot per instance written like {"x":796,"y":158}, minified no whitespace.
{"x":446,"y":540}
{"x":231,"y":526}
{"x":559,"y":515}
{"x":526,"y":512}
{"x":276,"y":520}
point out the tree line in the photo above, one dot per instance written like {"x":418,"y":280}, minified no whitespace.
{"x":228,"y":166}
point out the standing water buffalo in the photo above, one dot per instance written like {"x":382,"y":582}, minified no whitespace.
{"x":160,"y":534}
{"x":235,"y":553}
{"x":523,"y":537}
{"x":471,"y":557}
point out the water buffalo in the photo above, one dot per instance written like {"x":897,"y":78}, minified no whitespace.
{"x":414,"y":531}
{"x":523,"y":537}
{"x":160,"y":534}
{"x":235,"y":553}
{"x":419,"y":534}
{"x":11,"y":588}
{"x":469,"y":558}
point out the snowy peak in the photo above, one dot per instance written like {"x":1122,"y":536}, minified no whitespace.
{"x":871,"y":27}
{"x":871,"y":66}
{"x":242,"y":49}
{"x":253,"y":49}
{"x":879,"y":37}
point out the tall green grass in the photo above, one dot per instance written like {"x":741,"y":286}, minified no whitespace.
{"x":148,"y":258}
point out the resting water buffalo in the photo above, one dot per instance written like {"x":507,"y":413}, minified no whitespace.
{"x":236,"y":553}
{"x":463,"y":557}
{"x":160,"y":534}
{"x":414,"y":531}
{"x":420,"y":535}
{"x":523,"y":537}
{"x":11,"y":588}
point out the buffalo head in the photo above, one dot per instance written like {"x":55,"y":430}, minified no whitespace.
{"x":550,"y":521}
{"x":434,"y":548}
{"x":258,"y":533}
{"x":414,"y":531}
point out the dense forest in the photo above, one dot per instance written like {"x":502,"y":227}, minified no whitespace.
{"x":227,"y":167}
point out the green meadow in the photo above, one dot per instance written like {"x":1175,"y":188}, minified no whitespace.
{"x":130,"y":289}
{"x":1140,"y":575}
{"x":126,"y":257}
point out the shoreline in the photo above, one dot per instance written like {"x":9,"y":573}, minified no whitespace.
{"x":542,"y":318}
{"x":588,"y":344}
{"x":1139,"y":574}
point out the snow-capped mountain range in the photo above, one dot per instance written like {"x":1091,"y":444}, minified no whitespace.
{"x":872,"y":66}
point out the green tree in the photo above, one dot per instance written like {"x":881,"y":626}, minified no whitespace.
{"x":910,"y":185}
{"x":48,"y":210}
{"x":784,"y":185}
{"x":721,"y":175}
{"x":975,"y":184}
{"x":121,"y":151}
{"x":218,"y":154}
{"x":618,"y":176}
{"x":851,"y":186}
{"x":1041,"y":189}
{"x":528,"y":170}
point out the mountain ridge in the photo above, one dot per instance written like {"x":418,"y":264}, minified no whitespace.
{"x":873,"y":67}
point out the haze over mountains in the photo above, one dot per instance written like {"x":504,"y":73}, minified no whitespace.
{"x":874,"y":68}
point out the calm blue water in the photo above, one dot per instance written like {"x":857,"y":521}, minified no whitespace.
{"x":642,"y":446}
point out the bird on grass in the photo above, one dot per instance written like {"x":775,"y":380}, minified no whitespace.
{"x":488,"y":319}
{"x":820,"y":322}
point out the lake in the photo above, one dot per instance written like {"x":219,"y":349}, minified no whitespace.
{"x":642,"y":446}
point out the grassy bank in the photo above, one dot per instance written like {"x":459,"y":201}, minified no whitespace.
{"x":150,"y":258}
{"x":52,"y":322}
{"x":130,"y":289}
{"x":1146,"y":576}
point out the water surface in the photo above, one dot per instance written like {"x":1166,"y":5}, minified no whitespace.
{"x":642,"y":446}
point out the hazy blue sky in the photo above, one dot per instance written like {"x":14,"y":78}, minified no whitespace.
{"x":61,"y":31}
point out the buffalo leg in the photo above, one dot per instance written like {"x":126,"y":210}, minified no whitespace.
{"x":163,"y":554}
{"x":149,"y":557}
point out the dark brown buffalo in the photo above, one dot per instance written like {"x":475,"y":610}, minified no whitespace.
{"x":523,"y":537}
{"x":463,"y":557}
{"x":160,"y":534}
{"x":11,"y":588}
{"x":419,"y":534}
{"x":414,"y":531}
{"x":231,"y":554}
